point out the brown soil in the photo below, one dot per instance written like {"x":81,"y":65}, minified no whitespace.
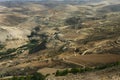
{"x":93,"y":59}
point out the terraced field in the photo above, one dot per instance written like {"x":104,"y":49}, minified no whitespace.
{"x":93,"y":59}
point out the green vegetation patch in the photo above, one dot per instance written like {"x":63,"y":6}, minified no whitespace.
{"x":8,"y":51}
{"x":35,"y":76}
{"x":1,"y":46}
{"x":30,"y":45}
{"x":86,"y":69}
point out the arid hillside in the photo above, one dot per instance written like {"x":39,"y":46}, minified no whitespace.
{"x":38,"y":35}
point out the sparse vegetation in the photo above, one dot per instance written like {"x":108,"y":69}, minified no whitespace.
{"x":62,"y":73}
{"x":86,"y":69}
{"x":74,"y":22}
{"x":2,"y":46}
{"x":8,"y":51}
{"x":30,"y":45}
{"x":73,"y":71}
{"x":35,"y":76}
{"x":37,"y":47}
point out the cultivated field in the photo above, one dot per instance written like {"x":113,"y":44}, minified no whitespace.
{"x":93,"y":59}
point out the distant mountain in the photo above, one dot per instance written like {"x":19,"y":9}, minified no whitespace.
{"x":49,"y":0}
{"x":64,"y":0}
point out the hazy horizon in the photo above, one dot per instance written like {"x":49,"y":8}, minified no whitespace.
{"x":28,"y":0}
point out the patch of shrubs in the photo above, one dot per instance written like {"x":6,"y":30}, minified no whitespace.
{"x":86,"y":69}
{"x":8,"y":51}
{"x":35,"y":76}
{"x":62,"y":73}
{"x":72,"y":20}
{"x":30,"y":45}
{"x":107,"y":66}
{"x":38,"y":47}
{"x":73,"y":71}
{"x":1,"y":46}
{"x":33,"y":46}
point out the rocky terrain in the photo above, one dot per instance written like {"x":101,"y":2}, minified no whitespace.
{"x":51,"y":34}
